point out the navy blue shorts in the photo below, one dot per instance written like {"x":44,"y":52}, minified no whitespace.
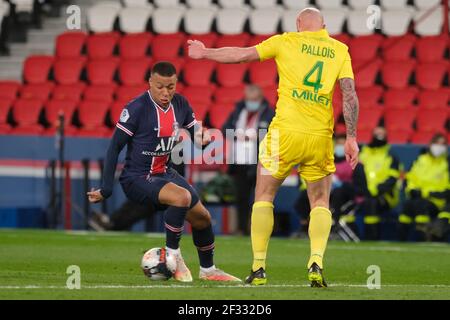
{"x":146,"y":191}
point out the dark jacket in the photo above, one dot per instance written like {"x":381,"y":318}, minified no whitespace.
{"x":267,"y":113}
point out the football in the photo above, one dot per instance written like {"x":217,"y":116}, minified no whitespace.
{"x":158,"y":264}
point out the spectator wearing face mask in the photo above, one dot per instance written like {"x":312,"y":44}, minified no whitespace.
{"x":348,"y":190}
{"x":382,"y":171}
{"x":250,"y":115}
{"x":428,"y":193}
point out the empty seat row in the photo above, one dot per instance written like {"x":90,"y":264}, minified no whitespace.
{"x":291,"y":4}
{"x":398,"y":74}
{"x":430,"y":75}
{"x":266,"y":19}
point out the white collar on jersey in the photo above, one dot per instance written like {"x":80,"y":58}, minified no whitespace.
{"x":157,"y":105}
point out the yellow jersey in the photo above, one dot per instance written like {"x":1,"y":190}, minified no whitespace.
{"x":309,"y":64}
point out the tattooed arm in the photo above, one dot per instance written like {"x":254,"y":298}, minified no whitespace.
{"x":351,"y":111}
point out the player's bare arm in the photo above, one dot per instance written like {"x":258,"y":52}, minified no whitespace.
{"x":351,"y":112}
{"x":197,"y":50}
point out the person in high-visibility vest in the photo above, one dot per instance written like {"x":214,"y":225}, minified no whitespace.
{"x":382,"y":171}
{"x":428,"y":193}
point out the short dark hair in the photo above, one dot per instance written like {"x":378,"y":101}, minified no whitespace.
{"x":437,"y":136}
{"x":164,"y":68}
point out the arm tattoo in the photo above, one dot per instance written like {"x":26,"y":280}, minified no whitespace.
{"x":350,"y":105}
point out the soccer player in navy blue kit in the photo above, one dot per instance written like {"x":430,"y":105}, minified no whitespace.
{"x":149,"y":126}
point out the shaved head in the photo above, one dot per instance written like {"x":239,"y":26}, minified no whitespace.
{"x":310,"y":19}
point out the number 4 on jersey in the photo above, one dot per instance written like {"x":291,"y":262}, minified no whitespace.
{"x":316,"y":84}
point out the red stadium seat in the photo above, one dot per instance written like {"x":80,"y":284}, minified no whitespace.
{"x":135,"y":45}
{"x":233,"y":40}
{"x":263,"y":74}
{"x":115,"y":111}
{"x":369,"y":118}
{"x":70,"y":44}
{"x":127,"y":93}
{"x":200,"y":110}
{"x":26,"y":115}
{"x":399,"y":119}
{"x":343,"y":37}
{"x":399,"y":136}
{"x":337,"y":98}
{"x":180,"y":87}
{"x":257,"y":39}
{"x":432,"y":120}
{"x":39,"y":91}
{"x":398,"y":48}
{"x":366,"y":72}
{"x":368,"y":97}
{"x":199,"y":94}
{"x":400,"y":98}
{"x":364,"y":135}
{"x":166,"y":46}
{"x":430,"y":99}
{"x":101,"y":72}
{"x":271,"y":94}
{"x":337,"y":111}
{"x":365,"y":48}
{"x":69,"y":92}
{"x":431,"y":48}
{"x":101,"y":45}
{"x":397,"y":74}
{"x":134,"y":72}
{"x":36,"y":69}
{"x":103,"y":93}
{"x":5,"y":106}
{"x":231,"y":75}
{"x":422,"y":137}
{"x":68,"y":70}
{"x":93,"y":122}
{"x":229,"y":94}
{"x":219,"y":113}
{"x":52,"y":110}
{"x":431,"y":75}
{"x":9,"y":89}
{"x":208,"y":39}
{"x":198,"y":72}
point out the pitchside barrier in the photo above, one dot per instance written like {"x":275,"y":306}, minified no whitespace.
{"x":36,"y":191}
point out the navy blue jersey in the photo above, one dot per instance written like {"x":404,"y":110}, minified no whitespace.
{"x":154,"y":132}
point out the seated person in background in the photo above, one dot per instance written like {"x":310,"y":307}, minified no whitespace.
{"x":349,"y":189}
{"x":251,"y":114}
{"x":428,"y":192}
{"x":382,"y":170}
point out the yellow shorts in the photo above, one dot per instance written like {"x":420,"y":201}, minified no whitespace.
{"x":281,"y":150}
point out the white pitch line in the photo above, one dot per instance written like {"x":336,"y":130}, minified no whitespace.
{"x":337,"y":285}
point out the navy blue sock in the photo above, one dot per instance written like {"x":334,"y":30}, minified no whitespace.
{"x":204,"y":241}
{"x":174,"y":224}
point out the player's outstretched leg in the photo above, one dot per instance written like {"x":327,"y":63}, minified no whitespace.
{"x":262,"y":225}
{"x":203,"y":238}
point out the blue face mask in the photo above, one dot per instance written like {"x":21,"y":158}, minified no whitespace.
{"x":252,"y":106}
{"x":339,"y":151}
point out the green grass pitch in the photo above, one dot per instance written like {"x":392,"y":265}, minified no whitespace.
{"x":33,"y":265}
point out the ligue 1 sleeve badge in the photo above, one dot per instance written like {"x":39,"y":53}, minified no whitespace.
{"x":124,"y":116}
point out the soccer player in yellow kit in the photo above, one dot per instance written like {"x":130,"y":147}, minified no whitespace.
{"x":309,"y":64}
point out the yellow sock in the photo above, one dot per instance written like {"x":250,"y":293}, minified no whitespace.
{"x":261,"y":230}
{"x":319,"y":231}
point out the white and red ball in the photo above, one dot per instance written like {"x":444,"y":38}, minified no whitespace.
{"x":158,"y":264}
